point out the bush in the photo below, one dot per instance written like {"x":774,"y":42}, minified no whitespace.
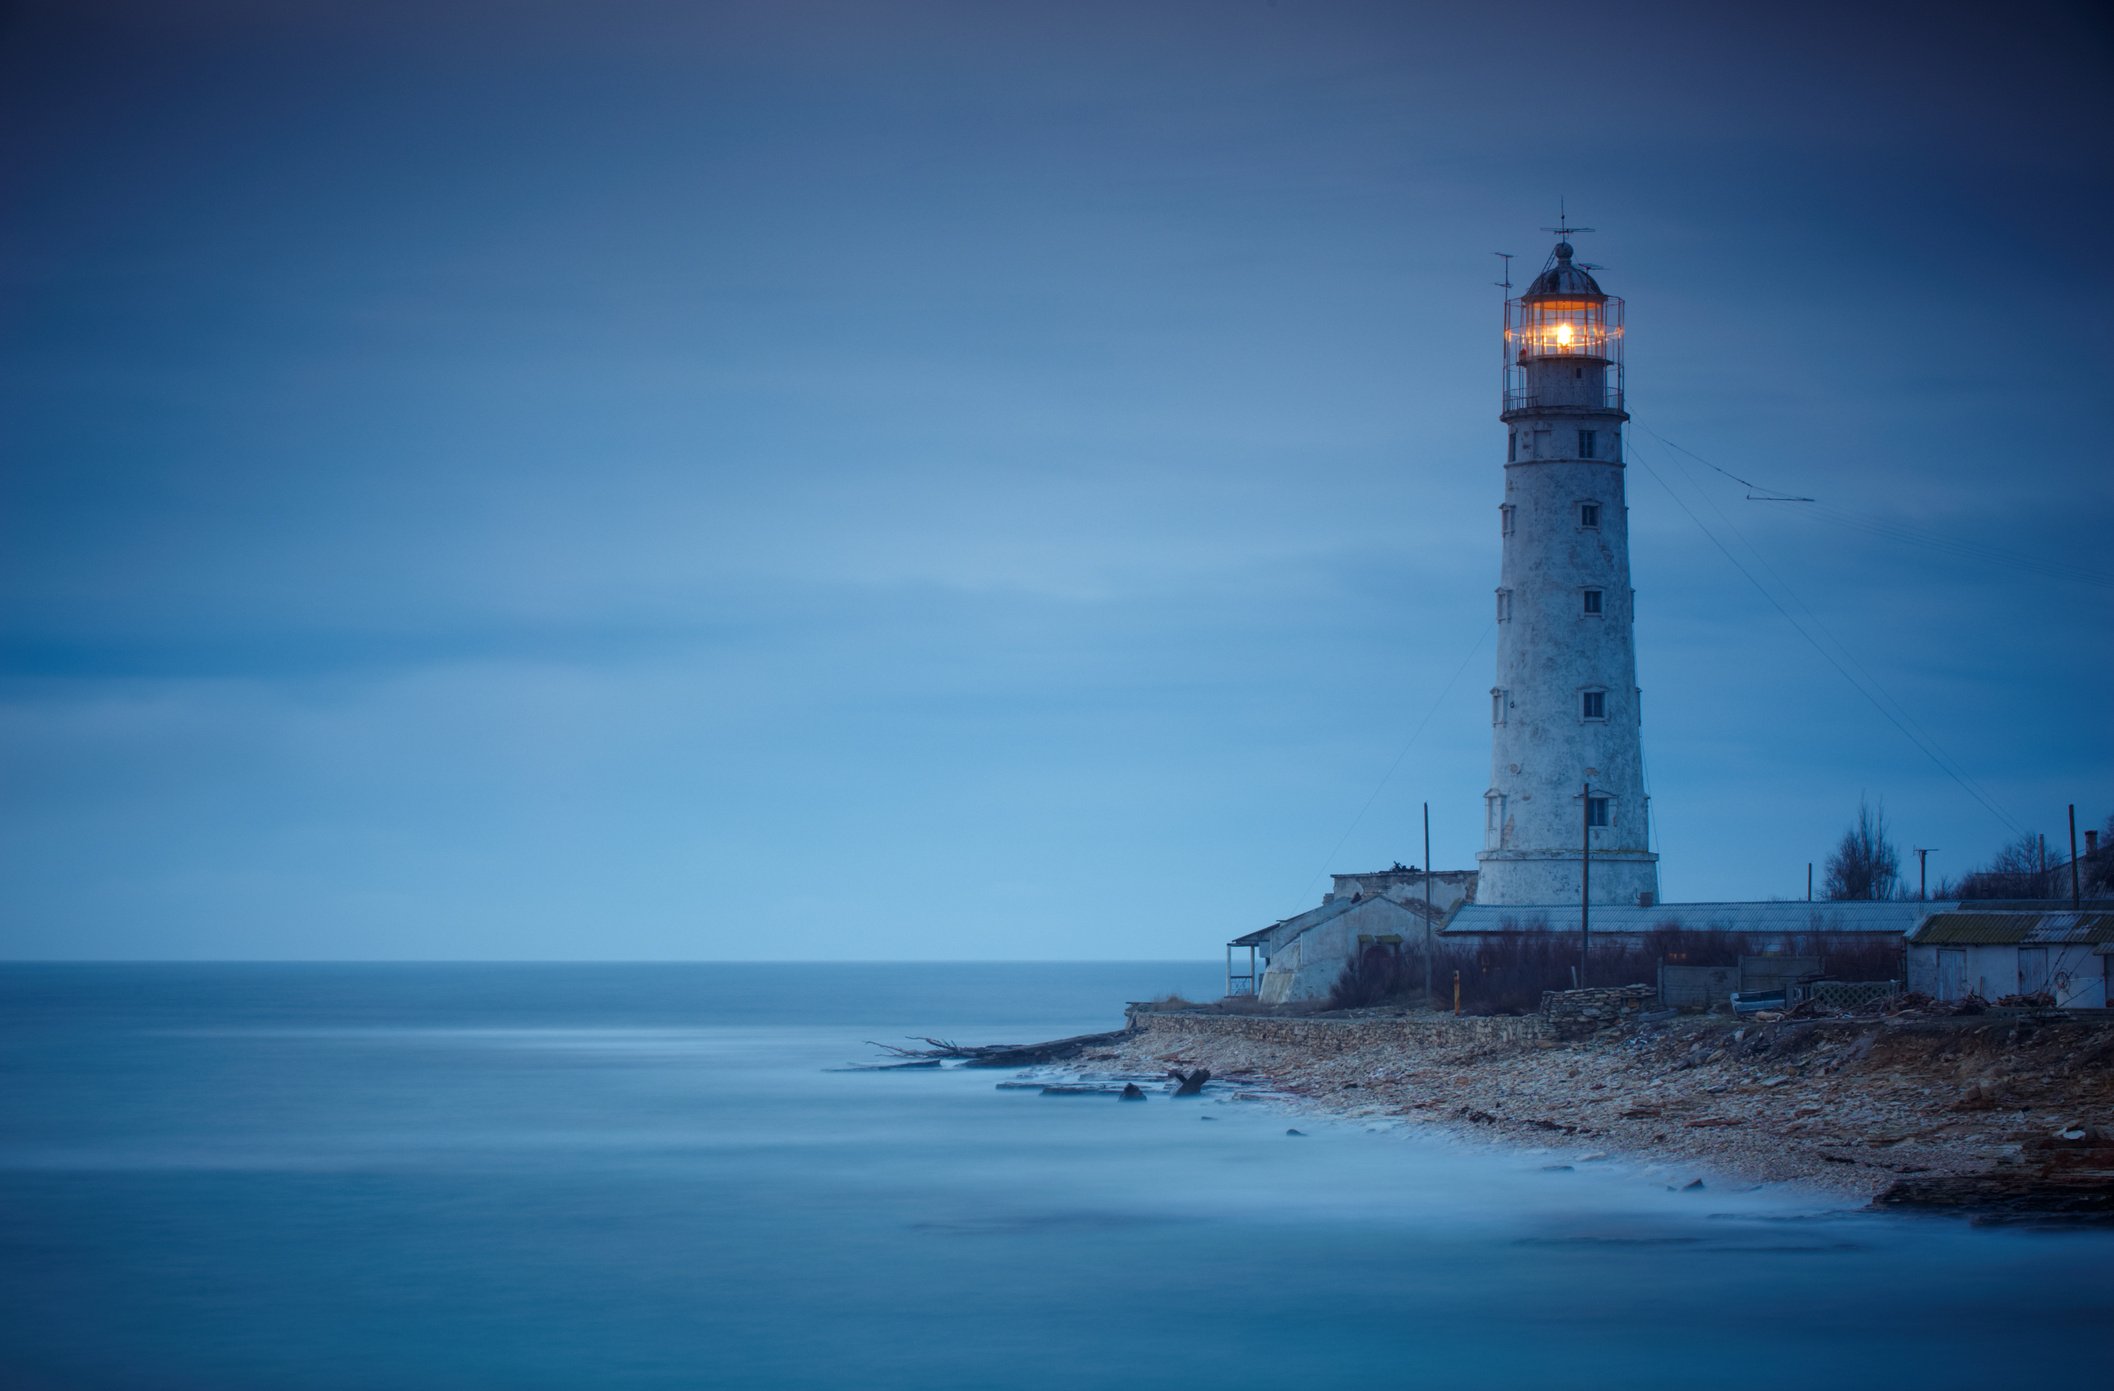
{"x":1507,"y":974}
{"x":1375,"y":976}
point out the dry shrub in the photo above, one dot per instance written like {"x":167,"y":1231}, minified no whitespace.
{"x":1506,"y":973}
{"x":1375,"y":976}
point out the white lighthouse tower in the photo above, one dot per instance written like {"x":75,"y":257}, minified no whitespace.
{"x":1566,"y":756}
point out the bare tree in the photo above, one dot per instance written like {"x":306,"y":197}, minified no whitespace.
{"x":2018,"y":870}
{"x":1865,"y":863}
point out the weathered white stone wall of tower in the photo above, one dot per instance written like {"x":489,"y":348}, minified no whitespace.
{"x":1565,"y":710}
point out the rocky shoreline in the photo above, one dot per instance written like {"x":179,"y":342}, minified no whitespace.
{"x":1997,"y":1117}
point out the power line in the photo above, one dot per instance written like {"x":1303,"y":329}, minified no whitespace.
{"x":1896,"y":530}
{"x":1923,"y":744}
{"x":1848,"y":654}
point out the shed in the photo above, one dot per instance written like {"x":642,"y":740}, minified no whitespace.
{"x":2005,"y":949}
{"x":1306,"y":953}
{"x":1772,"y":926}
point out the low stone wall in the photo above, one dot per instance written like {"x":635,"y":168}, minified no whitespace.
{"x":1322,"y":1036}
{"x":1576,"y":1013}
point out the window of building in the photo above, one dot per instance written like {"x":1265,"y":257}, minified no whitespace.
{"x":1497,"y":705}
{"x":1511,"y":445}
{"x":1504,"y":605}
{"x":1597,"y":811}
{"x":1589,"y":515}
{"x":1592,"y":602}
{"x":1504,"y":518}
{"x":1593,"y":705}
{"x":1494,"y":809}
{"x":1586,"y":440}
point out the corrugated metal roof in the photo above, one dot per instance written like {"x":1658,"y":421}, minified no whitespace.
{"x":2047,"y":928}
{"x":2073,"y":927}
{"x":1278,"y":933}
{"x":1284,"y":929}
{"x":1795,"y":918}
{"x":1974,"y":929}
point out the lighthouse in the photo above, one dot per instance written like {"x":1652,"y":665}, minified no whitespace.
{"x":1566,"y":746}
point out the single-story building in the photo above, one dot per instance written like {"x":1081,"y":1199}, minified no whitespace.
{"x":1998,"y":949}
{"x":1767,"y":927}
{"x":1300,"y":957}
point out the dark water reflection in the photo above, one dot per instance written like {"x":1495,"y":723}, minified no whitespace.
{"x":643,"y":1176}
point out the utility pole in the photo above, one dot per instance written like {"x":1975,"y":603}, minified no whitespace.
{"x":1921,"y":853}
{"x":1809,"y":881}
{"x":1585,"y":884}
{"x":1427,"y":905}
{"x":2073,"y":855}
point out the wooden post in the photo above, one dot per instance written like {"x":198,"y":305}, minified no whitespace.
{"x":1427,"y":905}
{"x":1585,"y":885}
{"x":1457,"y":994}
{"x":2073,"y":855}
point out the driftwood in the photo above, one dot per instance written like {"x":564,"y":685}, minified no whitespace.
{"x":887,"y":1067}
{"x":1004,"y":1054}
{"x":1189,"y":1083}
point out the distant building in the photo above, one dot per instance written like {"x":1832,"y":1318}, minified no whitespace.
{"x":1991,"y":950}
{"x":1300,"y":957}
{"x":1763,"y":927}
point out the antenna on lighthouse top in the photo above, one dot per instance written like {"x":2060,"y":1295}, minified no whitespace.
{"x":1506,"y":283}
{"x":1563,"y":227}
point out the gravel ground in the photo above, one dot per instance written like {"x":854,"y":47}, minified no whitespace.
{"x":1846,"y":1104}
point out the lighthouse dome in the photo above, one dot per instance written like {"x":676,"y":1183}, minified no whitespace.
{"x":1562,"y":278}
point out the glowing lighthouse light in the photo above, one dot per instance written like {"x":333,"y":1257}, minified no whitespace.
{"x":1563,"y":335}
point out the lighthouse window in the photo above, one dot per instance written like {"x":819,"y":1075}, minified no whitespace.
{"x":1504,"y":519}
{"x":1586,"y":440}
{"x":1597,"y":811}
{"x":1593,"y":705}
{"x":1592,"y":603}
{"x":1511,"y":445}
{"x":1497,"y":705}
{"x":1504,"y":605}
{"x":1589,"y":515}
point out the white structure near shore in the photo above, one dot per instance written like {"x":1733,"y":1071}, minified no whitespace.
{"x":1566,"y":752}
{"x":1305,"y":953}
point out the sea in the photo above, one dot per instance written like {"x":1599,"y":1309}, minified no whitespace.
{"x":362,"y":1177}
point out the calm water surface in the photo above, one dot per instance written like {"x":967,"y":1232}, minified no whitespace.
{"x":423,"y":1176}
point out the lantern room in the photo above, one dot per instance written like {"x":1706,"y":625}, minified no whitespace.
{"x":1563,"y":342}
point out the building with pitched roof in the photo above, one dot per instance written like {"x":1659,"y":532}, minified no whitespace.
{"x":1994,"y":950}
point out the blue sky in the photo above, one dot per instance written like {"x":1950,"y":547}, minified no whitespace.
{"x":928,"y":480}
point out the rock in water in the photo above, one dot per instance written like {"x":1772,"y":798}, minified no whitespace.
{"x":1300,"y":1133}
{"x":1131,"y":1092}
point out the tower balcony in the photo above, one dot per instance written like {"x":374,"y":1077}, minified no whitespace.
{"x":1563,"y":351}
{"x":1598,"y":393}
